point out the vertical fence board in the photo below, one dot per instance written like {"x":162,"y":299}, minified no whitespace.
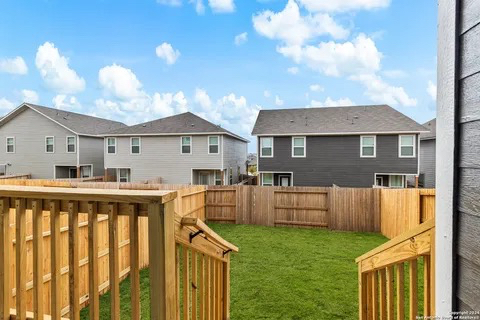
{"x":93,"y":297}
{"x":37,"y":216}
{"x":5,"y":261}
{"x":114,"y":264}
{"x":134,"y":262}
{"x":21,"y":258}
{"x":73,"y":267}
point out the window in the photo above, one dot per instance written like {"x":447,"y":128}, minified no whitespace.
{"x":218,"y":178}
{"x":368,"y":146}
{"x":213,"y":145}
{"x":231,"y":176}
{"x":86,"y":171}
{"x":298,"y":147}
{"x":49,"y":144}
{"x":135,"y":145}
{"x":10,"y":144}
{"x":123,"y":175}
{"x":71,"y":141}
{"x":407,"y":146}
{"x":111,"y":145}
{"x":267,"y":179}
{"x":396,"y":181}
{"x":266,"y":147}
{"x":186,"y":147}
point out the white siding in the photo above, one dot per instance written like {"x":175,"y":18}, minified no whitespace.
{"x":91,"y":152}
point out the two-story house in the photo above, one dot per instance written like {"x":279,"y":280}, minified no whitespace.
{"x":357,"y":146}
{"x":181,"y":149}
{"x":427,"y":154}
{"x":52,"y":144}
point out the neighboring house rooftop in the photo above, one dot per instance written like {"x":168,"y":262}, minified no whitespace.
{"x":77,"y":123}
{"x":181,"y":124}
{"x":432,"y":128}
{"x":335,"y":121}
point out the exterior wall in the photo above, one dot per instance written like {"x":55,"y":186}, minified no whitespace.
{"x":427,"y":162}
{"x":30,"y":129}
{"x":235,"y":157}
{"x":336,"y":160}
{"x":160,"y":157}
{"x":91,"y":152}
{"x":467,"y":165}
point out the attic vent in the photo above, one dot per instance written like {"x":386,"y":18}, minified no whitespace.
{"x":292,"y":121}
{"x":65,"y":118}
{"x":144,"y":125}
{"x":193,"y":125}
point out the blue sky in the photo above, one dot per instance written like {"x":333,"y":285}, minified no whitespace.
{"x":222,"y":59}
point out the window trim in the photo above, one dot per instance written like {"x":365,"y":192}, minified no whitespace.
{"x":74,"y":144}
{"x":374,"y":146}
{"x":139,"y":146}
{"x":263,"y":181}
{"x":6,"y":145}
{"x":219,"y":178}
{"x":304,"y":146}
{"x":390,"y":181}
{"x":400,"y":145}
{"x":181,"y":145}
{"x":129,"y":174}
{"x":218,"y":144}
{"x":261,"y":151}
{"x":53,"y":138}
{"x":115,"y":145}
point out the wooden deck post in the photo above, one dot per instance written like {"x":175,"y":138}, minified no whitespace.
{"x":161,"y":246}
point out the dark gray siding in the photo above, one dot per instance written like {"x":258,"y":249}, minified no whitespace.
{"x":336,"y":160}
{"x":427,"y":162}
{"x":468,"y":162}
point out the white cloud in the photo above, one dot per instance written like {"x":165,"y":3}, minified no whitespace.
{"x":199,"y":6}
{"x":343,"y":5}
{"x":173,"y":3}
{"x":120,"y":82}
{"x":432,"y":90}
{"x":30,"y":96}
{"x":65,"y":102}
{"x":395,"y":74}
{"x":203,"y":99}
{"x":167,"y":104}
{"x":336,"y":59}
{"x":381,"y":92}
{"x":266,"y":94}
{"x":329,"y":102}
{"x":316,"y":88}
{"x":55,"y":70}
{"x":222,"y":6}
{"x":278,"y":101}
{"x":166,"y":52}
{"x":292,"y":28}
{"x":14,"y":66}
{"x":293,"y":70}
{"x":241,"y":38}
{"x":6,"y":105}
{"x":234,"y":113}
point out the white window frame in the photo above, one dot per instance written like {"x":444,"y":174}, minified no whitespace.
{"x":139,"y":145}
{"x":304,"y":147}
{"x":261,"y":149}
{"x":182,"y":145}
{"x":374,"y":147}
{"x":390,"y":181}
{"x":400,"y":145}
{"x":263,"y":180}
{"x":74,"y":144}
{"x":6,"y":145}
{"x":217,"y":176}
{"x":91,"y":170}
{"x":129,"y":175}
{"x":218,"y":144}
{"x":114,"y":145}
{"x":46,"y":138}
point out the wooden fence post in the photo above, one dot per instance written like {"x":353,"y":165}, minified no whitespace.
{"x":161,"y":246}
{"x":5,"y":244}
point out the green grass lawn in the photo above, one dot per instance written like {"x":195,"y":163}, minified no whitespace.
{"x":283,"y":273}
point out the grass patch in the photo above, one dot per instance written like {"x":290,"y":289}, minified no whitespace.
{"x":282,"y":273}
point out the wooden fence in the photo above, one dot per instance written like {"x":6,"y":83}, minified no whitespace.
{"x":190,"y":202}
{"x":389,"y":211}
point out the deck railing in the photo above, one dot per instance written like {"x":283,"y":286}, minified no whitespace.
{"x":201,"y":273}
{"x":381,"y":276}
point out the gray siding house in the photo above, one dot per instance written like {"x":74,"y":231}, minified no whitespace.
{"x":52,"y":144}
{"x":347,"y":146}
{"x":181,"y":149}
{"x":427,"y":155}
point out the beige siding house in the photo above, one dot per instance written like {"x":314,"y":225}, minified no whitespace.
{"x":181,"y":149}
{"x":52,"y":144}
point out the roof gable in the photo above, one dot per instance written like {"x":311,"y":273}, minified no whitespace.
{"x":334,"y":121}
{"x":432,"y":128}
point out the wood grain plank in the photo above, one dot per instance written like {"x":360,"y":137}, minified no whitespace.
{"x":383,"y":293}
{"x":73,"y":260}
{"x":186,"y":282}
{"x":194,"y":284}
{"x":37,"y":216}
{"x":93,"y":297}
{"x":134,"y":262}
{"x":5,"y":261}
{"x":400,"y":291}
{"x":413,"y":282}
{"x":390,"y":293}
{"x":21,"y":258}
{"x":113,"y":261}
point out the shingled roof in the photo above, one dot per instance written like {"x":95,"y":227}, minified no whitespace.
{"x":184,"y":123}
{"x":335,"y":121}
{"x":432,"y":130}
{"x":76,"y":122}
